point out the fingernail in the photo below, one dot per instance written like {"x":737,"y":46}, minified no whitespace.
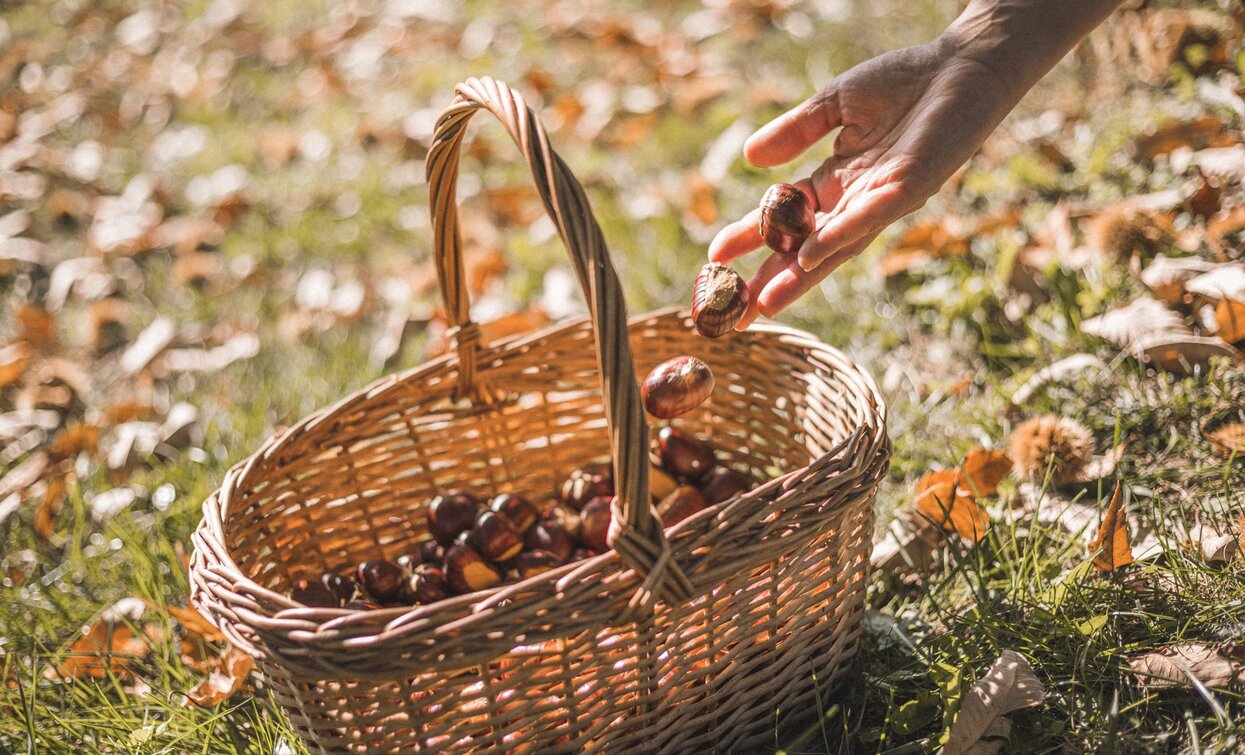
{"x":806,"y":262}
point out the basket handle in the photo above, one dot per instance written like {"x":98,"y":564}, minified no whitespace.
{"x":635,"y":534}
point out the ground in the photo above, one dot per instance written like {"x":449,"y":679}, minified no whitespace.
{"x":255,"y":176}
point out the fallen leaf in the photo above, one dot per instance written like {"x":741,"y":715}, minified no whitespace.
{"x":1166,"y":276}
{"x":985,"y":468}
{"x":1178,"y":665}
{"x":195,"y":626}
{"x":14,"y":359}
{"x":233,"y":668}
{"x":1111,"y":543}
{"x":1154,"y":333}
{"x":941,"y":497}
{"x":35,"y":325}
{"x":1198,"y":133}
{"x":1061,"y":370}
{"x":1007,"y":686}
{"x":1216,"y":548}
{"x":105,"y":647}
{"x":910,"y":542}
{"x":1224,"y":281}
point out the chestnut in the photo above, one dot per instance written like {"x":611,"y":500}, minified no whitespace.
{"x":495,"y":537}
{"x":594,"y":524}
{"x":660,"y":484}
{"x":719,"y":300}
{"x":550,"y":537}
{"x":467,"y":571}
{"x":722,"y":483}
{"x":787,"y":218}
{"x":580,"y":554}
{"x":427,"y":584}
{"x":682,"y":455}
{"x":343,"y":588}
{"x":313,"y":593}
{"x":381,"y":579}
{"x":451,"y":514}
{"x":679,"y":505}
{"x":585,"y":484}
{"x":431,"y":552}
{"x":521,"y":512}
{"x":409,"y":560}
{"x":676,"y":386}
{"x":531,"y":563}
{"x":361,"y":605}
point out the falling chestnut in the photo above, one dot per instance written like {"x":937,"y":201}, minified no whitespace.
{"x":314,"y":593}
{"x":531,"y":563}
{"x":468,"y":571}
{"x":451,"y":514}
{"x":787,"y":218}
{"x":679,"y":505}
{"x":495,"y":537}
{"x":676,"y":386}
{"x":551,"y":537}
{"x":723,"y":483}
{"x":594,"y":524}
{"x":719,"y":300}
{"x":586,"y":483}
{"x":381,"y":579}
{"x":682,"y":455}
{"x":521,"y":512}
{"x":427,"y":584}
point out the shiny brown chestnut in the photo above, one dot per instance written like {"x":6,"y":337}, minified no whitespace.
{"x":431,"y":552}
{"x":343,"y":588}
{"x":787,"y":218}
{"x":451,"y":514}
{"x":676,"y":386}
{"x":521,"y":512}
{"x":679,"y":505}
{"x":550,"y":537}
{"x":427,"y":584}
{"x":722,"y":483}
{"x":719,"y":300}
{"x":682,"y":455}
{"x":594,"y":524}
{"x":531,"y":563}
{"x":585,"y":484}
{"x":468,"y":571}
{"x":381,"y":579}
{"x":495,"y":537}
{"x":313,"y":593}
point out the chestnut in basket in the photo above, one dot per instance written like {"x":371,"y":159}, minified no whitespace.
{"x":343,"y":588}
{"x":679,"y":505}
{"x":682,"y":455}
{"x":314,"y":593}
{"x":521,"y":512}
{"x":787,"y":218}
{"x":719,"y":300}
{"x":660,"y":484}
{"x":723,"y":483}
{"x":431,"y":552}
{"x":467,"y":571}
{"x":495,"y":537}
{"x":531,"y":563}
{"x":427,"y":584}
{"x":594,"y":524}
{"x":676,"y":386}
{"x":585,"y":484}
{"x":550,"y":537}
{"x":451,"y":514}
{"x":381,"y":579}
{"x":361,"y":605}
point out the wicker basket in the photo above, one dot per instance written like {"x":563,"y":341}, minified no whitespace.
{"x":690,"y":640}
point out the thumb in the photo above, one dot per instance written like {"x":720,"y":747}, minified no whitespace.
{"x":784,"y":138}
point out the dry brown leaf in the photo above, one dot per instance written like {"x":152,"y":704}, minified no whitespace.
{"x":1110,"y":545}
{"x":1173,"y":666}
{"x":1155,"y":334}
{"x":233,"y":668}
{"x":1225,"y":281}
{"x":909,"y":542}
{"x":985,"y":468}
{"x":14,"y":359}
{"x":942,"y":497}
{"x":1166,"y":276}
{"x":50,"y":504}
{"x":195,"y":626}
{"x":1198,"y":133}
{"x":105,"y":647}
{"x":1007,"y":686}
{"x":35,"y":325}
{"x":1216,"y":548}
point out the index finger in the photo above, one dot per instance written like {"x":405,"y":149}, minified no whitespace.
{"x":737,"y":239}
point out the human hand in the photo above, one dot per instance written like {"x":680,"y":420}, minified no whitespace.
{"x":910,"y":118}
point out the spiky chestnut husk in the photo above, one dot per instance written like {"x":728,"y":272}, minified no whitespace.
{"x":1050,"y":443}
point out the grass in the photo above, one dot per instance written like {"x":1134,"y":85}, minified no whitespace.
{"x":950,"y":344}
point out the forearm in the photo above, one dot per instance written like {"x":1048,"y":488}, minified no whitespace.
{"x":1021,"y":40}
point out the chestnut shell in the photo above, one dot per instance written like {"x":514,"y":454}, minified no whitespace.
{"x":676,"y":386}
{"x":787,"y":218}
{"x":719,"y":300}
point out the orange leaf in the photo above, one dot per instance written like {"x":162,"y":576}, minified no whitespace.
{"x":105,"y":647}
{"x":985,"y":468}
{"x":1230,"y":318}
{"x":233,"y":668}
{"x":940,"y":496}
{"x":1111,"y":542}
{"x":196,"y":627}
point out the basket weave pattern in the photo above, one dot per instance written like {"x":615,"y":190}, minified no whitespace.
{"x":687,"y":640}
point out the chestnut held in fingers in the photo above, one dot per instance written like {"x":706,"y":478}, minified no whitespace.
{"x":468,"y":571}
{"x":585,"y":484}
{"x":451,"y":514}
{"x":722,"y":483}
{"x":521,"y":512}
{"x":594,"y":524}
{"x":719,"y":300}
{"x":550,"y":537}
{"x":679,"y":505}
{"x":313,"y":593}
{"x":676,"y":386}
{"x":787,"y":218}
{"x":531,"y":563}
{"x":427,"y":584}
{"x":381,"y":579}
{"x":496,"y":537}
{"x":682,"y":455}
{"x":343,"y":588}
